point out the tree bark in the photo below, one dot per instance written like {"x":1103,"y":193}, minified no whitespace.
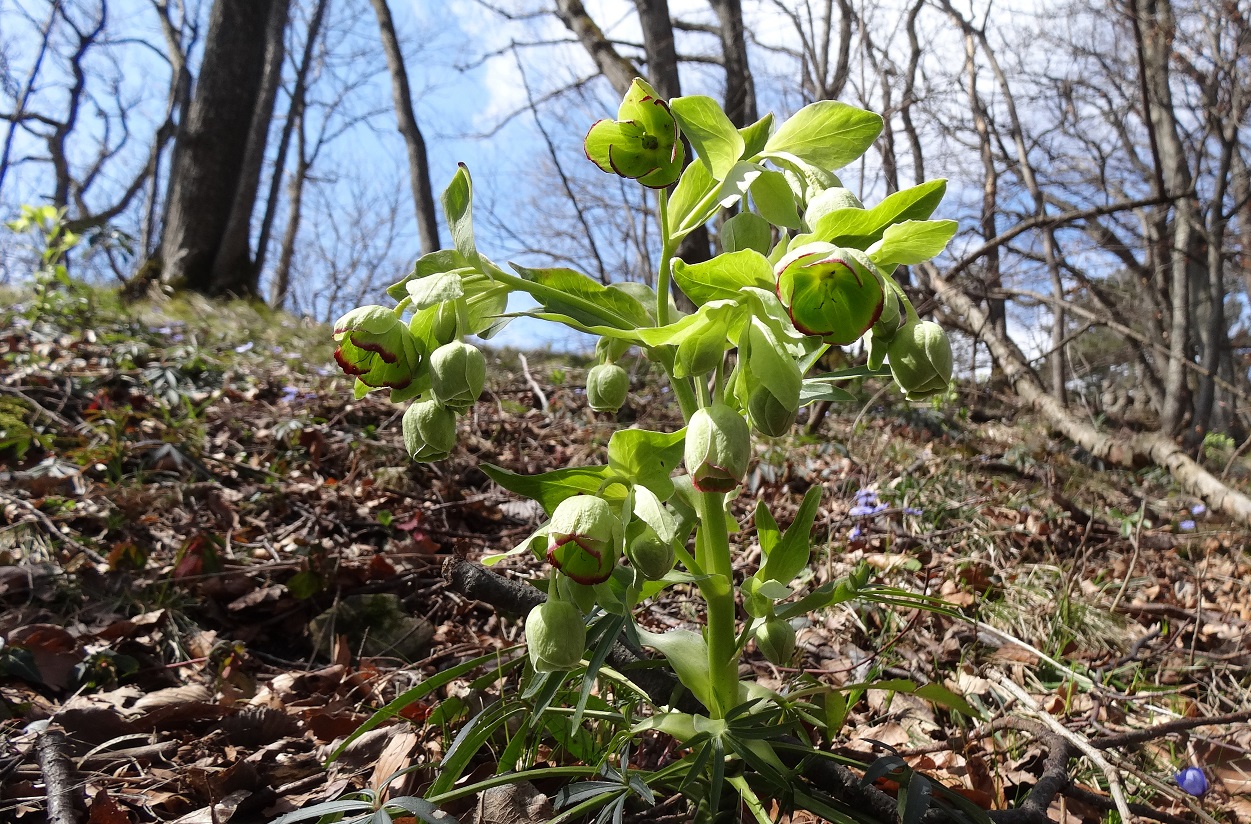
{"x":619,"y":71}
{"x":406,"y":119}
{"x":210,"y":150}
{"x":234,"y":270}
{"x":281,"y":283}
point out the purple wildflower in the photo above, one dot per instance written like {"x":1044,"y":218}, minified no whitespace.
{"x":1198,"y":509}
{"x":861,"y":511}
{"x":1187,"y":525}
{"x":913,"y":510}
{"x":855,"y":533}
{"x":1192,"y":781}
{"x":244,"y":347}
{"x":866,"y":496}
{"x":289,"y":393}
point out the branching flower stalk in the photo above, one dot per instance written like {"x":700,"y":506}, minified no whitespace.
{"x":805,"y":266}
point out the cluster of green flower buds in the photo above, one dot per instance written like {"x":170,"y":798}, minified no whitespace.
{"x":718,"y":448}
{"x":457,"y":378}
{"x":555,"y":636}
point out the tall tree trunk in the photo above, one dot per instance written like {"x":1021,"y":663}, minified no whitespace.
{"x":299,"y":92}
{"x":281,"y":283}
{"x":234,"y":271}
{"x":212,"y":146}
{"x":406,"y":121}
{"x":740,"y":88}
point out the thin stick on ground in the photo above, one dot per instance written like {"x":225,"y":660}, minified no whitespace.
{"x":58,"y":776}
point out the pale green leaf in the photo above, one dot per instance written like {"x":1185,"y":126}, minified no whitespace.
{"x":827,"y":134}
{"x":711,"y":133}
{"x":912,"y":242}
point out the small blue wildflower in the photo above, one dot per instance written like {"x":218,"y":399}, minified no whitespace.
{"x":244,"y":347}
{"x":913,"y":510}
{"x":1192,"y":781}
{"x":289,"y":393}
{"x":866,"y":496}
{"x":1198,"y":509}
{"x":164,"y":330}
{"x":879,"y":508}
{"x":176,"y":338}
{"x":1187,"y":525}
{"x":861,"y":511}
{"x":855,"y":533}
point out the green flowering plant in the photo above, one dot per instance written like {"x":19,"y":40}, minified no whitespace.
{"x":805,"y":265}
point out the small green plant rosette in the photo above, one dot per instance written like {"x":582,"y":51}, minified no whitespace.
{"x":429,"y":431}
{"x":831,"y":292}
{"x":555,"y":636}
{"x":920,"y":359}
{"x":776,"y":641}
{"x":377,"y":348}
{"x":642,"y":143}
{"x":606,"y":387}
{"x":718,"y":448}
{"x":584,"y":539}
{"x":769,"y":415}
{"x":457,"y":374}
{"x":647,"y":553}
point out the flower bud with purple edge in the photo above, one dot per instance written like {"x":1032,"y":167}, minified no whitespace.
{"x":429,"y":431}
{"x":776,"y":641}
{"x":1192,"y":781}
{"x":555,"y":636}
{"x":376,"y":347}
{"x":606,"y":387}
{"x":457,"y":374}
{"x":584,"y":539}
{"x":718,"y":448}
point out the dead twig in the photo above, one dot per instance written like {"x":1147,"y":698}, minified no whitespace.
{"x":58,"y":776}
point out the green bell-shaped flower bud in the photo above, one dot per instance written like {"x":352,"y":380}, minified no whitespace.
{"x":718,"y":448}
{"x":769,"y":415}
{"x":429,"y":431}
{"x":555,"y":636}
{"x":457,"y":374}
{"x":832,"y":292}
{"x":828,"y":201}
{"x":607,"y":386}
{"x":649,"y":554}
{"x":776,"y":641}
{"x":376,"y":347}
{"x":642,"y":143}
{"x":883,"y":332}
{"x":584,"y":539}
{"x":920,"y":359}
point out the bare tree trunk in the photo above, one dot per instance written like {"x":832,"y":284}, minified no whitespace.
{"x":234,"y":270}
{"x":619,"y":71}
{"x":740,"y":88}
{"x":418,"y":165}
{"x":210,"y":150}
{"x":281,"y":283}
{"x":299,"y":91}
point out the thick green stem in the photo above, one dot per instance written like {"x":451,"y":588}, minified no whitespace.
{"x":666,"y":260}
{"x":718,"y":592}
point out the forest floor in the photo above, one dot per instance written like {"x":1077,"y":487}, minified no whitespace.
{"x":215,"y":565}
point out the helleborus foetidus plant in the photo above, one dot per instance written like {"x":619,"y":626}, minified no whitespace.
{"x":805,"y":265}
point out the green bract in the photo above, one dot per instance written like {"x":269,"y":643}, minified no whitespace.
{"x":376,"y":347}
{"x":429,"y":431}
{"x":584,"y":539}
{"x":606,"y":387}
{"x":832,"y":292}
{"x":769,"y":415}
{"x":920,"y":359}
{"x":555,"y":636}
{"x":883,"y":332}
{"x":776,"y":641}
{"x":642,"y":143}
{"x":649,"y":554}
{"x":457,"y":374}
{"x":718,"y":448}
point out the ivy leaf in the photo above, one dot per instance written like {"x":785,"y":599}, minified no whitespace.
{"x":550,"y":488}
{"x":722,"y":277}
{"x":911,"y":242}
{"x":646,"y":458}
{"x":826,"y":134}
{"x":711,"y":133}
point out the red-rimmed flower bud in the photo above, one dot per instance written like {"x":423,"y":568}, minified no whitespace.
{"x":429,"y":431}
{"x":584,"y":539}
{"x":457,"y":374}
{"x":920,"y":359}
{"x":642,"y":143}
{"x":828,"y":291}
{"x":776,"y":641}
{"x":376,"y":347}
{"x":718,"y":448}
{"x":606,"y":387}
{"x":555,"y":636}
